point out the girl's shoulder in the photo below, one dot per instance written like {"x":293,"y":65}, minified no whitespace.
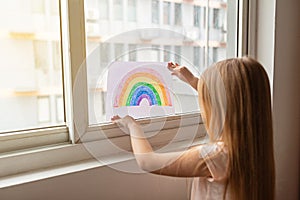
{"x":211,"y":149}
{"x":216,"y":158}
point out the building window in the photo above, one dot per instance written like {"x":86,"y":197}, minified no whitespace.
{"x":199,"y":16}
{"x":132,"y":52}
{"x":103,"y":9}
{"x":167,"y":53}
{"x":132,"y":10}
{"x":118,"y":9}
{"x":155,"y":11}
{"x":156,"y":49}
{"x":41,"y":55}
{"x":216,"y":15}
{"x":178,"y":14}
{"x":177,"y":56}
{"x":167,"y":12}
{"x":119,"y":52}
{"x":105,"y":52}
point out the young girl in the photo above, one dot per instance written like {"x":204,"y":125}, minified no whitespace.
{"x":238,"y":162}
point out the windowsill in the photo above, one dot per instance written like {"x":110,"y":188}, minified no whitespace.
{"x":166,"y":134}
{"x":72,"y":167}
{"x":41,"y":174}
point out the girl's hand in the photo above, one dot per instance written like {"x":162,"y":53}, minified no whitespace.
{"x":183,"y":74}
{"x":125,"y":122}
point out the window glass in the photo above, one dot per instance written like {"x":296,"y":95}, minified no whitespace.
{"x":131,"y":10}
{"x":118,"y":9}
{"x":119,"y":52}
{"x":103,"y":9}
{"x":197,"y":16}
{"x":31,"y":67}
{"x":177,"y":51}
{"x":200,"y":16}
{"x":163,"y":31}
{"x":167,"y":12}
{"x":132,"y":52}
{"x":157,"y":52}
{"x":177,"y":14}
{"x":217,"y":33}
{"x":155,"y":11}
{"x":167,"y":53}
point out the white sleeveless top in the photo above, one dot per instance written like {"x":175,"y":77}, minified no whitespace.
{"x":215,"y":156}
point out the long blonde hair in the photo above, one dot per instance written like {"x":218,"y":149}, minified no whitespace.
{"x":236,"y":101}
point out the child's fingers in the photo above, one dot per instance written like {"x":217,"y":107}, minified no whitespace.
{"x":171,"y":66}
{"x":116,"y":117}
{"x":170,"y":63}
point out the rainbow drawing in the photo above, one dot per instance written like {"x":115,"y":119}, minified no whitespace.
{"x":142,"y":84}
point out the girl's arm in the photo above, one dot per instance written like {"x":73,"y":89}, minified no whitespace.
{"x":180,"y":164}
{"x":183,"y":74}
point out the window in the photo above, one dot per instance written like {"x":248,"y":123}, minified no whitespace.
{"x":178,"y":15}
{"x":132,"y":52}
{"x":119,"y":52}
{"x":193,"y":45}
{"x":216,"y":17}
{"x":167,"y":53}
{"x":199,"y":16}
{"x":155,"y":11}
{"x":37,"y":99}
{"x":31,"y":69}
{"x":132,"y":10}
{"x":199,"y":57}
{"x":118,"y":9}
{"x":105,"y":53}
{"x":166,"y":12}
{"x":103,"y":9}
{"x":177,"y":57}
{"x":157,"y":51}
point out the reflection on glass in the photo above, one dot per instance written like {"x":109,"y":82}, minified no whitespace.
{"x":31,"y":68}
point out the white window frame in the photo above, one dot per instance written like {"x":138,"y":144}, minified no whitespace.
{"x":58,"y":144}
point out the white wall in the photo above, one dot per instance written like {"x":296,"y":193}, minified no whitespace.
{"x":100,"y":183}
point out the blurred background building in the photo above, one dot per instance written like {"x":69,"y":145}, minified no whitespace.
{"x":190,"y":32}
